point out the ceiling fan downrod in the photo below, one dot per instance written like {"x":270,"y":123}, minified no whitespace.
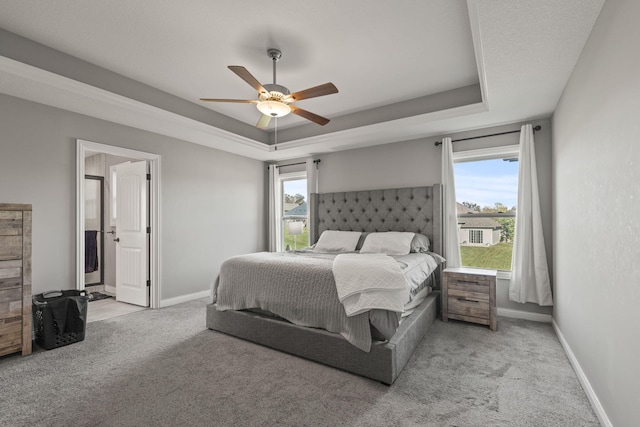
{"x":275,"y":55}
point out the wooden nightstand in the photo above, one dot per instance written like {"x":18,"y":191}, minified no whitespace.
{"x":469,"y":294}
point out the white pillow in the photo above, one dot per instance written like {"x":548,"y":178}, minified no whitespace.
{"x":337,"y":241}
{"x":389,"y":242}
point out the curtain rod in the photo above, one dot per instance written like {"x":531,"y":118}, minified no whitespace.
{"x":537,"y":128}
{"x":294,"y":164}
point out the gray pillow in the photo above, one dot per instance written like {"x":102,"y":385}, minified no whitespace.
{"x":420,"y":243}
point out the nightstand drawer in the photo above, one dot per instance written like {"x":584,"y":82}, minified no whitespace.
{"x":476,"y":293}
{"x":469,"y":307}
{"x":475,"y":286}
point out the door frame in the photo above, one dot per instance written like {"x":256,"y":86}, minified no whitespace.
{"x":82,"y":147}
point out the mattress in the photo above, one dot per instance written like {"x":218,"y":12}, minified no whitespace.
{"x":299,"y":287}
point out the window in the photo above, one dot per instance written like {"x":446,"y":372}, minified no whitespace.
{"x":295,"y":210}
{"x":487,"y":194}
{"x":475,"y":236}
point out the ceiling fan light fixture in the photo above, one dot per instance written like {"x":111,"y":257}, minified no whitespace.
{"x":273,"y":108}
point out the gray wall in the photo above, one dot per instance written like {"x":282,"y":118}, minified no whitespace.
{"x":418,"y":162}
{"x":596,"y":158}
{"x":212,"y":201}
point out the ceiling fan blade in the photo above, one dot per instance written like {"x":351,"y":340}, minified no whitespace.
{"x":243,"y":101}
{"x":245,"y":75}
{"x":325,"y":89}
{"x":309,"y":115}
{"x":263,"y":123}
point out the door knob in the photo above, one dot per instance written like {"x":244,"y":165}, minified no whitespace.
{"x":117,"y":239}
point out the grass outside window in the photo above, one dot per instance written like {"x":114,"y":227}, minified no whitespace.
{"x":495,"y":257}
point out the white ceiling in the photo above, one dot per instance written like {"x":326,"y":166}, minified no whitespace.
{"x":503,"y":61}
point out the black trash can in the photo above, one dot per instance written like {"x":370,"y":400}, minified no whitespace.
{"x":59,"y":317}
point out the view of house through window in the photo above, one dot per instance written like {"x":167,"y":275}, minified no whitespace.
{"x":487,"y":194}
{"x":295,"y":212}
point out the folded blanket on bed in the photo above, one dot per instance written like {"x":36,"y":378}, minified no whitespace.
{"x":369,"y":281}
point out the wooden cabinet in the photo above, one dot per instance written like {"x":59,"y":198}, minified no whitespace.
{"x":15,"y":278}
{"x":469,"y":294}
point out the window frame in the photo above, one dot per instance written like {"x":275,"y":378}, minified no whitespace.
{"x":291,"y":176}
{"x":492,"y":153}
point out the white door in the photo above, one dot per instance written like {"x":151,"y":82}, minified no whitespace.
{"x":131,"y":234}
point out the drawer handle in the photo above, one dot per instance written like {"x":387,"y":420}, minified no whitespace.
{"x":467,"y":282}
{"x":468,"y":300}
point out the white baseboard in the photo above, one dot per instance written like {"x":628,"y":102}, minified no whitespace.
{"x":526,"y":315}
{"x":184,"y":298}
{"x":584,"y":381}
{"x":110,"y":289}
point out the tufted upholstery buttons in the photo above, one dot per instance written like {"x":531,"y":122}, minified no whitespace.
{"x":377,"y":210}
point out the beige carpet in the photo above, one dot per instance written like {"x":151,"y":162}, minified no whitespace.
{"x":163,"y":368}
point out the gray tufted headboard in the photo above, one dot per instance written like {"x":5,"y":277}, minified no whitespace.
{"x":416,"y":209}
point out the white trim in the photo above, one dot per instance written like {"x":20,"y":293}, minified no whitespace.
{"x":38,"y":85}
{"x":476,"y":36}
{"x":526,"y":315}
{"x":155,"y":250}
{"x":582,"y":377}
{"x":486,"y":153}
{"x":42,"y":86}
{"x":371,"y":135}
{"x":504,"y":275}
{"x":184,"y":298}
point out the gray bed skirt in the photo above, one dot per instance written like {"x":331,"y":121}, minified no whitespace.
{"x":383,"y":363}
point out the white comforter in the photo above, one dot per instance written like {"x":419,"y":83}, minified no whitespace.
{"x":369,"y":281}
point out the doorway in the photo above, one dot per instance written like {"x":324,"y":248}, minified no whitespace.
{"x":87,"y":149}
{"x":94,"y":265}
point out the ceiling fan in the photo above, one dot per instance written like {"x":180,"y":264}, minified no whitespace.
{"x":275,"y":100}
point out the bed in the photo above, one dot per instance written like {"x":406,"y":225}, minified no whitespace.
{"x":414,"y":210}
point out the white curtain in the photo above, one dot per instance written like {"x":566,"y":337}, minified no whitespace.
{"x":312,"y":177}
{"x":450,"y":217}
{"x":529,"y":272}
{"x":275,"y":208}
{"x":312,"y":187}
